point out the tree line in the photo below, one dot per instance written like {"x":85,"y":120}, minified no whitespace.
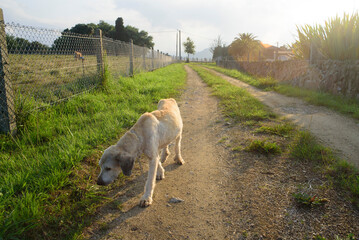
{"x":66,"y":44}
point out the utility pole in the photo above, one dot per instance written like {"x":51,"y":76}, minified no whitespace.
{"x":179,"y":45}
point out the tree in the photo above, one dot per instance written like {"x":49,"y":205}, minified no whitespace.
{"x":108,"y":30}
{"x":20,"y":45}
{"x":189,"y":47}
{"x":117,"y":32}
{"x":120,"y":31}
{"x":218,"y":48}
{"x":139,"y":38}
{"x":243,"y":45}
{"x":82,"y":28}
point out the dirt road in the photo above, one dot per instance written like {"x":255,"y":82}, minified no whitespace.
{"x":226,"y":195}
{"x":332,"y":129}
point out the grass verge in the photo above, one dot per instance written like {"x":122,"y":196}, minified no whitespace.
{"x":344,"y":105}
{"x":41,"y":197}
{"x":238,"y":103}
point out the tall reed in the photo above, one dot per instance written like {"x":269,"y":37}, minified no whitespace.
{"x":337,"y":39}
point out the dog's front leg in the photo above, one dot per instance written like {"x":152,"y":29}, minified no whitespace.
{"x":146,"y":199}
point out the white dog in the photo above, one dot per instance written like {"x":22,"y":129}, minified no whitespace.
{"x":152,"y":132}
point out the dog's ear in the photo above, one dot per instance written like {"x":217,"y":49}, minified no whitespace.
{"x":126,"y":163}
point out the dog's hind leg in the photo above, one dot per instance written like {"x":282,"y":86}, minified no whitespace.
{"x":160,"y":171}
{"x":178,"y":158}
{"x":165,"y":153}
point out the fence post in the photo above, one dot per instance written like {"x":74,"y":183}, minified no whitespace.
{"x":144,"y":57}
{"x":7,"y":110}
{"x":131,"y":58}
{"x":99,"y":53}
{"x":153,"y":57}
{"x":158,"y":58}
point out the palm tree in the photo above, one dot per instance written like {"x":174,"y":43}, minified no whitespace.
{"x":243,"y":45}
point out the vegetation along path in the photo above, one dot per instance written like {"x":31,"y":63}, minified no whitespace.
{"x":334,"y":130}
{"x":225,"y":192}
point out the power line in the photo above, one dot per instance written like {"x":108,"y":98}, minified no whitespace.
{"x":172,"y":31}
{"x":197,"y":35}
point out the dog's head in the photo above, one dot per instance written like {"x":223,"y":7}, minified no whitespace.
{"x":111,"y":162}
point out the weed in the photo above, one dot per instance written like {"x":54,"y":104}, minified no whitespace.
{"x":346,"y":176}
{"x":223,"y":139}
{"x":309,"y":200}
{"x":283,"y":129}
{"x":237,"y":149}
{"x":305,"y":147}
{"x":263,"y":146}
{"x":348,"y":237}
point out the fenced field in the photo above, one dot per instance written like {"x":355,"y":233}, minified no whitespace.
{"x":41,"y":67}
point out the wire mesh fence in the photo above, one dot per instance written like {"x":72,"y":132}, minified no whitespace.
{"x":44,"y":66}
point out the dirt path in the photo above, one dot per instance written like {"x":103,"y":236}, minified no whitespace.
{"x":196,"y":182}
{"x":227,"y":195}
{"x":334,"y":130}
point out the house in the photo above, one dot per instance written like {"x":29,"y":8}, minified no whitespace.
{"x":272,"y":53}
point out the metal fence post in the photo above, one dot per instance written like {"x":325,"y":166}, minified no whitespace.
{"x":99,"y":53}
{"x":131,"y":58}
{"x":7,"y":110}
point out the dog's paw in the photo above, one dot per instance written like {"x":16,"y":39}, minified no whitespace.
{"x":179,"y":160}
{"x":145,"y":202}
{"x":160,"y":175}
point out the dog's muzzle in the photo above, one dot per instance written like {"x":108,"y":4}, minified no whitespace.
{"x":101,"y":182}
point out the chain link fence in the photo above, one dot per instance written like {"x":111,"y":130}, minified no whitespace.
{"x":45,"y":66}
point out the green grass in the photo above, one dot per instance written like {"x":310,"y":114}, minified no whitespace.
{"x":283,"y":129}
{"x":263,"y":146}
{"x":306,"y":148}
{"x":344,"y":105}
{"x":345,"y":176}
{"x":40,"y":196}
{"x":238,"y":103}
{"x":261,"y":83}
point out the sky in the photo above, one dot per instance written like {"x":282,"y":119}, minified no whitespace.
{"x":272,"y":22}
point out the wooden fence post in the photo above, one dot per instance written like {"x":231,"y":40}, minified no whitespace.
{"x":144,"y":57}
{"x":99,"y":53}
{"x":131,"y":58}
{"x":7,"y":108}
{"x":158,"y":58}
{"x":153,"y":59}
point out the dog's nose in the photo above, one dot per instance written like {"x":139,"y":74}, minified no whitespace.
{"x":100,"y":182}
